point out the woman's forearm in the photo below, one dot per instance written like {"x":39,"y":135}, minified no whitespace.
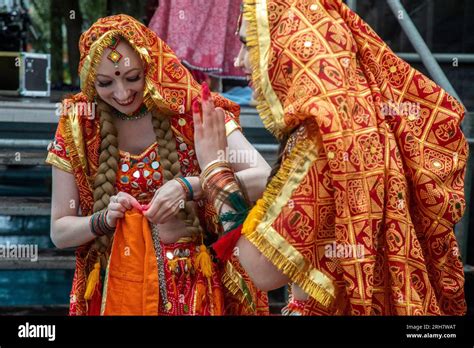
{"x":263,"y":273}
{"x":71,"y":231}
{"x":254,"y":181}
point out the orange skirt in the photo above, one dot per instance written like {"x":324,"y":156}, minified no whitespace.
{"x":132,"y":285}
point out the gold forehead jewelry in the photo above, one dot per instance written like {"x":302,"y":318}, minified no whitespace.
{"x":114,"y":56}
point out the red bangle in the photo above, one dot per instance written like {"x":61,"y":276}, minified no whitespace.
{"x":98,"y":224}
{"x":185,"y":187}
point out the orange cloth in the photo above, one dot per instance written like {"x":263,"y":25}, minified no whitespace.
{"x":132,"y":279}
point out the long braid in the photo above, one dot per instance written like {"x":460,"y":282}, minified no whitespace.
{"x":105,"y":180}
{"x":104,"y":183}
{"x":170,"y":164}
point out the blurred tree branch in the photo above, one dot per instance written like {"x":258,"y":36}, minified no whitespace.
{"x":56,"y":19}
{"x":73,"y":22}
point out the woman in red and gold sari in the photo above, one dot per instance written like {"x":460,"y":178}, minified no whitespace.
{"x":126,"y":187}
{"x":359,"y":215}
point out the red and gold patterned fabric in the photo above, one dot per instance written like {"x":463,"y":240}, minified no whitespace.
{"x":131,"y":286}
{"x":361,"y":212}
{"x":169,"y":88}
{"x":140,"y":175}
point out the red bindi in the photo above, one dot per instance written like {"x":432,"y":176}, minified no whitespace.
{"x":117,"y":73}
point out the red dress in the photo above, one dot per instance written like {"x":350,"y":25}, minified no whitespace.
{"x":189,"y":292}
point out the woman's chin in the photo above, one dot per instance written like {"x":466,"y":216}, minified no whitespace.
{"x":129,"y":108}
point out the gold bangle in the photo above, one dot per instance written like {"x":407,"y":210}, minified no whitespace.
{"x":214,"y":164}
{"x":211,"y":174}
{"x":220,"y":195}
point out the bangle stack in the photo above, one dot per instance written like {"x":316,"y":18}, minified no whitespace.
{"x":218,"y":181}
{"x":98,"y":224}
{"x":188,"y":189}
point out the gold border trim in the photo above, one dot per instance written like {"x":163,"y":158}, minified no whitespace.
{"x":235,"y":283}
{"x":231,"y":125}
{"x":76,"y":147}
{"x":124,"y":153}
{"x":259,"y":41}
{"x":59,"y":162}
{"x":259,"y":231}
{"x":103,"y":303}
{"x":92,"y":60}
{"x":76,"y":130}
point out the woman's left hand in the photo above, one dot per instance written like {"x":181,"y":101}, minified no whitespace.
{"x":166,"y":203}
{"x":210,"y":139}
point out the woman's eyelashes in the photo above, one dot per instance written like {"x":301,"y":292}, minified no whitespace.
{"x":133,"y":79}
{"x":108,"y":83}
{"x":104,"y":84}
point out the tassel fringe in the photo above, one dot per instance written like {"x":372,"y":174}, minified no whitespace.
{"x":237,"y":287}
{"x":92,"y":281}
{"x":203,"y":262}
{"x":238,"y":216}
{"x":299,"y":153}
{"x":320,"y":294}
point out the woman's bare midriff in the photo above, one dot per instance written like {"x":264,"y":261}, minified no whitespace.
{"x":172,"y":231}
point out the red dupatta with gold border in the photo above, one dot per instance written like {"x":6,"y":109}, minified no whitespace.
{"x":361,"y":170}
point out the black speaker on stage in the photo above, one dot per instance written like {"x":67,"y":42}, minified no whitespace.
{"x":15,"y":24}
{"x":25,"y":74}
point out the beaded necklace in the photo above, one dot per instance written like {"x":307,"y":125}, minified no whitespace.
{"x":139,"y":113}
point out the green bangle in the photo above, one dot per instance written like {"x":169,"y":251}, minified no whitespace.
{"x":190,"y":188}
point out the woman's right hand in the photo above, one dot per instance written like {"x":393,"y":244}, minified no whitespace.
{"x":118,"y":205}
{"x":210,"y":139}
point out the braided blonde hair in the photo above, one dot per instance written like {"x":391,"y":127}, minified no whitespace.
{"x":104,"y":182}
{"x":105,"y":179}
{"x":171,"y":167}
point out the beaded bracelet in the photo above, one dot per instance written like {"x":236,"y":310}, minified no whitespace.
{"x":98,"y":224}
